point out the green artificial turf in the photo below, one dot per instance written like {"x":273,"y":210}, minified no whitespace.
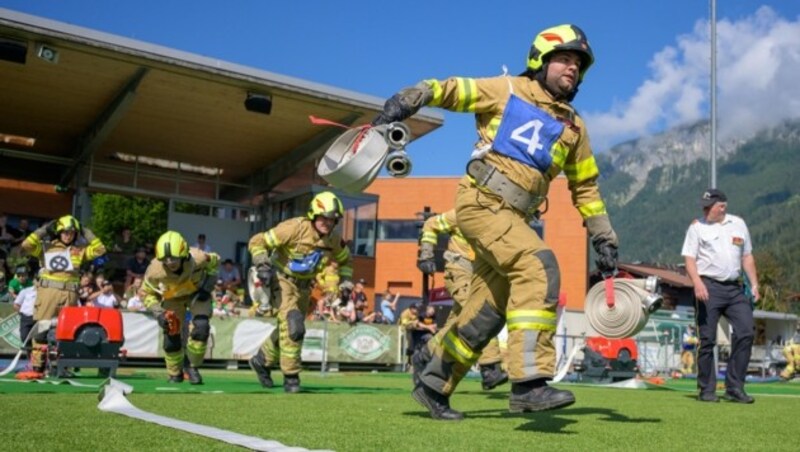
{"x":374,"y":412}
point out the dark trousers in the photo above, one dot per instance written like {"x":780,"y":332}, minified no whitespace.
{"x":26,"y":323}
{"x":724,"y":299}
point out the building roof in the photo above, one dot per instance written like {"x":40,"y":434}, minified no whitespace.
{"x":672,"y":276}
{"x":104,"y":94}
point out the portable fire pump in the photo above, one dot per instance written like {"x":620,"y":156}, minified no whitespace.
{"x":87,"y":337}
{"x":607,"y":360}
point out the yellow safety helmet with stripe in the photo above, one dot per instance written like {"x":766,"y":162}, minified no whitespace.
{"x":558,"y":38}
{"x":171,"y":244}
{"x":327,"y":205}
{"x":67,"y":223}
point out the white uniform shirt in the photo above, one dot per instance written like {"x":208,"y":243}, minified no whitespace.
{"x":718,"y":247}
{"x":26,"y":298}
{"x":105,"y":300}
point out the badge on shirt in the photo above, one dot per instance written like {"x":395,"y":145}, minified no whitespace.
{"x":738,"y":241}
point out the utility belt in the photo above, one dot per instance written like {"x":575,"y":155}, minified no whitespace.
{"x":458,"y":259}
{"x":299,"y":283}
{"x":60,"y":285}
{"x":487,"y":176}
{"x":730,"y":282}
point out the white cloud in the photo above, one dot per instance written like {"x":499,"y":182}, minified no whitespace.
{"x":758,"y":59}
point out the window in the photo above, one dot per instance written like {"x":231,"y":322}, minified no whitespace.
{"x":405,"y":230}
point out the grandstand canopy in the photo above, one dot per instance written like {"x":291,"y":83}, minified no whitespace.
{"x":76,"y":103}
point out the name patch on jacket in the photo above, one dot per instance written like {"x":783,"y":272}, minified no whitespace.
{"x":738,"y":241}
{"x":527,"y":134}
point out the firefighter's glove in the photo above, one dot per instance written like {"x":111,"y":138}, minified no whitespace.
{"x":46,"y":230}
{"x":425,"y":262}
{"x":264,"y":274}
{"x":606,"y":257}
{"x":168,"y":321}
{"x":404,"y":104}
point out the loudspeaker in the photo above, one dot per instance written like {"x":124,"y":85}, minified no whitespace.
{"x":258,"y":103}
{"x":13,"y":50}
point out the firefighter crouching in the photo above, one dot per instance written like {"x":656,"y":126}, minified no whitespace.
{"x":528,"y":133}
{"x":62,"y":246}
{"x":287,"y":259}
{"x":792,"y":354}
{"x":457,"y":275}
{"x":181,"y":278}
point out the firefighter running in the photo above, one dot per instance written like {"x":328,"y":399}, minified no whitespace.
{"x":181,"y":278}
{"x":457,"y":274}
{"x":287,"y":259}
{"x":62,"y":246}
{"x":528,"y":133}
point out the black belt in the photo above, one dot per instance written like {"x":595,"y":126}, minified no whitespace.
{"x":730,"y":282}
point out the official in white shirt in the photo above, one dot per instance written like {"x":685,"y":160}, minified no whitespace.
{"x":23,"y":304}
{"x":716,"y":250}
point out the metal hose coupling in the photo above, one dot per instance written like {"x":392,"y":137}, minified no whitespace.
{"x":626,"y":310}
{"x":398,"y":164}
{"x":397,"y":135}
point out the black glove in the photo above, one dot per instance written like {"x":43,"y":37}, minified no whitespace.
{"x":162,"y":321}
{"x":606,"y":257}
{"x":46,"y":230}
{"x":264,"y":274}
{"x":393,"y":110}
{"x":427,"y":266}
{"x":203,"y":295}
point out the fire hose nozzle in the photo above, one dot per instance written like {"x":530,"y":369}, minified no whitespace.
{"x":398,"y":164}
{"x":397,"y":135}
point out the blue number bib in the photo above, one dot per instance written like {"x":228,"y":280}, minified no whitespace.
{"x":527,"y":134}
{"x":306,"y":264}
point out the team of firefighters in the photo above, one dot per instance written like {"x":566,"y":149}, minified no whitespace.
{"x":498,"y":270}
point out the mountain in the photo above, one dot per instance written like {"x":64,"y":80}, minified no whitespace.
{"x":652,"y":187}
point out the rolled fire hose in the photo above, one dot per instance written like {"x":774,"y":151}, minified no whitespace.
{"x":258,"y":293}
{"x":619,"y":308}
{"x":356,"y":157}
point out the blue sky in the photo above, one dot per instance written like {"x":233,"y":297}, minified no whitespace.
{"x":651,"y":70}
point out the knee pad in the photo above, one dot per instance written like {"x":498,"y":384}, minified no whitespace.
{"x":552,"y":273}
{"x":482,"y":328}
{"x":296,"y":325}
{"x":201,"y":329}
{"x":172,"y":343}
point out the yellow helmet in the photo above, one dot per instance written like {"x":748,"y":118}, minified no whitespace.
{"x":558,"y":38}
{"x":327,"y":205}
{"x":171,"y":244}
{"x":67,"y":223}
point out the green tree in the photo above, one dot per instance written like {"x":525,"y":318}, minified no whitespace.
{"x":146,"y":217}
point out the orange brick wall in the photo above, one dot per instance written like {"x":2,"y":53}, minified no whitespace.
{"x":395,"y":262}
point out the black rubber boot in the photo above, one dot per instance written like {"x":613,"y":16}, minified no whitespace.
{"x":492,"y":376}
{"x":194,"y":376}
{"x":537,"y":396}
{"x":258,"y":364}
{"x":436,"y":404}
{"x":175,"y":378}
{"x":291,"y":383}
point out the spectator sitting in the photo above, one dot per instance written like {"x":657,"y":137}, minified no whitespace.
{"x":21,"y":281}
{"x":132,"y":300}
{"x":389,"y":305}
{"x":377,"y":318}
{"x":230,"y":276}
{"x":106,"y":298}
{"x":328,"y":283}
{"x":359,"y":299}
{"x":85,"y":289}
{"x":125,"y":243}
{"x":97,"y":289}
{"x":201,"y":243}
{"x":136,"y":266}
